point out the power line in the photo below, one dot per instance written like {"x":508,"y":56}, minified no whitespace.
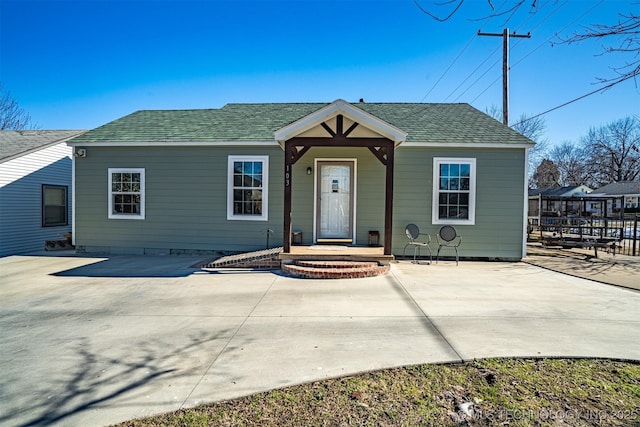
{"x":472,"y":73}
{"x":448,"y":68}
{"x":455,"y":60}
{"x":563,"y":28}
{"x":610,"y":85}
{"x":479,"y":78}
{"x":513,"y":10}
{"x":541,"y":44}
{"x":515,"y":46}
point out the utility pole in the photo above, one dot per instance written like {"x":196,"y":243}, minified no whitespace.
{"x":505,"y":67}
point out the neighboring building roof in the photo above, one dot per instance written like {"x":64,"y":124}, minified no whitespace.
{"x":16,"y":143}
{"x":424,"y":123}
{"x":619,"y":188}
{"x":570,"y":190}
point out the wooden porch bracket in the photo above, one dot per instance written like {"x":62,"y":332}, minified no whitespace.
{"x":382,"y":149}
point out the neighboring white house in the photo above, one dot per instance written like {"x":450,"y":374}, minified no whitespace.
{"x":35,"y":188}
{"x":629,"y":191}
{"x":550,"y":200}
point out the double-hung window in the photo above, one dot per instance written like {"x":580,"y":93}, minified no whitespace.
{"x":126,"y":193}
{"x":454,"y":190}
{"x":247,"y":188}
{"x":54,"y":205}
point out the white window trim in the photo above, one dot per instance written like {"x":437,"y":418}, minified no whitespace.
{"x":265,"y":188}
{"x":141,"y":215}
{"x":435,"y":203}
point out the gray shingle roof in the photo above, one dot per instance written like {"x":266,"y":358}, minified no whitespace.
{"x":14,"y":143}
{"x":426,"y":123}
{"x":554,"y":191}
{"x":619,"y":188}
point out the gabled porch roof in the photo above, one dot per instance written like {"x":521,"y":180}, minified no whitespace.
{"x":368,"y":125}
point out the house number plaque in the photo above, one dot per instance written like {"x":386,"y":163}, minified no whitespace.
{"x":287,"y":175}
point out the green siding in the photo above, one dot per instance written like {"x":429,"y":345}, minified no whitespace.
{"x":186,"y":201}
{"x":498,"y":230}
{"x":370,"y":175}
{"x":186,"y":193}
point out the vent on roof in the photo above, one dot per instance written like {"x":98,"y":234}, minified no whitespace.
{"x":362,"y":100}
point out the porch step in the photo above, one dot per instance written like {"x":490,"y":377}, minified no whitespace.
{"x":310,"y":269}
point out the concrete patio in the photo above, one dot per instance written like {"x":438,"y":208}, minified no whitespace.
{"x":98,"y":340}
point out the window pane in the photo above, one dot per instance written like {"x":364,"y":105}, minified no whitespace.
{"x":444,"y":184}
{"x":464,"y":199}
{"x":454,"y":183}
{"x":465,"y":169}
{"x":464,"y":183}
{"x":442,"y":212}
{"x":453,"y":198}
{"x":54,"y":196}
{"x":454,"y":170}
{"x":247,"y":168}
{"x":54,"y":215}
{"x":444,"y":170}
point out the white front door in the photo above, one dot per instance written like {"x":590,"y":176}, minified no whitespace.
{"x":334,"y":192}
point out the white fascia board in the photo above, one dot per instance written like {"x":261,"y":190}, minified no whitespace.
{"x":174,"y":144}
{"x":466,"y":145}
{"x":332,"y":110}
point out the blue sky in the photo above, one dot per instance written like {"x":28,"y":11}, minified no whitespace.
{"x":79,"y":64}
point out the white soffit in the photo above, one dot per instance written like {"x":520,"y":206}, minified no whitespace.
{"x":309,"y":122}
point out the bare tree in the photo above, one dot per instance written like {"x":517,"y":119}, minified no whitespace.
{"x":443,"y":10}
{"x":614,"y":151}
{"x":12,"y":116}
{"x":534,"y":129}
{"x":626,"y":36}
{"x":571,"y":161}
{"x":546,"y":175}
{"x":621,"y":37}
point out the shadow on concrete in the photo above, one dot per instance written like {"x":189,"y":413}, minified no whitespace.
{"x":134,"y":266}
{"x":99,"y":379}
{"x":618,"y":270}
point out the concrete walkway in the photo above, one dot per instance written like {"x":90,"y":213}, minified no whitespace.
{"x":94,"y":341}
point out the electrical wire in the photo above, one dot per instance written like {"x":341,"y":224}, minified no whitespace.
{"x":472,"y":73}
{"x":456,"y":59}
{"x":448,"y":68}
{"x":610,"y":85}
{"x":554,"y":35}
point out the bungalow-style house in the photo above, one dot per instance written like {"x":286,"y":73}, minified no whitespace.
{"x":35,"y":189}
{"x":626,"y":192}
{"x":302,"y":174}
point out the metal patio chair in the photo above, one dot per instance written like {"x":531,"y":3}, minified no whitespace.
{"x":413,"y":233}
{"x":448,"y":238}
